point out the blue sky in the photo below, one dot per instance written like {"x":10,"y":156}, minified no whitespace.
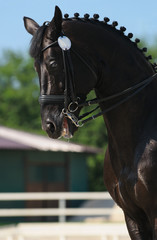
{"x":139,"y":17}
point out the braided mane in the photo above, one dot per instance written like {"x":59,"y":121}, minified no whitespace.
{"x":36,"y":43}
{"x":112,"y":27}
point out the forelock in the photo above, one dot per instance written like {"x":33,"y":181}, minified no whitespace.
{"x":36,"y":42}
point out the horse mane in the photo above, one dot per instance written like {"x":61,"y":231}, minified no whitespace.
{"x":112,"y":27}
{"x":36,"y":42}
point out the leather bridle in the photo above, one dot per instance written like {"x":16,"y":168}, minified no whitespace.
{"x":72,"y":102}
{"x":69,"y":98}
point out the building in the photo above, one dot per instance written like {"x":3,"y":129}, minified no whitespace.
{"x":34,"y":163}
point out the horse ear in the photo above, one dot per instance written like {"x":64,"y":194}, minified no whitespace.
{"x":56,"y":23}
{"x":30,"y":25}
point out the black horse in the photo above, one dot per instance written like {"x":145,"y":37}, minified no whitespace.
{"x":72,"y":57}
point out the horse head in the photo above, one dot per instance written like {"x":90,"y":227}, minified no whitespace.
{"x":59,"y":72}
{"x":76,"y":55}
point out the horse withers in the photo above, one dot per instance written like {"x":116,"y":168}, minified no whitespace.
{"x":76,"y":55}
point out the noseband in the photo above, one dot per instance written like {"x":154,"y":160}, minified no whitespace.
{"x":71,"y":101}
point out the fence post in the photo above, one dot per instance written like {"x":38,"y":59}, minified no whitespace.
{"x":62,"y":205}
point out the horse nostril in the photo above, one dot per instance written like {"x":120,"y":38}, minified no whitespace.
{"x":50,"y":126}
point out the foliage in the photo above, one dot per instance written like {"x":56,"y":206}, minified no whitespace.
{"x":95,"y":175}
{"x":18,"y":92}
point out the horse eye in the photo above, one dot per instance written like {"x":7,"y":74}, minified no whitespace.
{"x":53,"y":64}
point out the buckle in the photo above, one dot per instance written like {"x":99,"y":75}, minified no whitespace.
{"x":72,"y":117}
{"x":73,"y":106}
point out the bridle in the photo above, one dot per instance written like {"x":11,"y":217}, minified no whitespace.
{"x":69,"y":91}
{"x":71,"y":101}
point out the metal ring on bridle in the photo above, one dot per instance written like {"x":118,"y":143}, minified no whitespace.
{"x":80,"y":123}
{"x":64,"y":111}
{"x":73,"y":106}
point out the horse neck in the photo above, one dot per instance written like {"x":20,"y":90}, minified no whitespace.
{"x":119,"y":64}
{"x":128,"y":125}
{"x":116,"y":60}
{"x":122,"y":65}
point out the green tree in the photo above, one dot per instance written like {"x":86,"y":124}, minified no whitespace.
{"x":19,"y":91}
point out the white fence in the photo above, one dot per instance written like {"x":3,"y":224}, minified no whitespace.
{"x":60,"y":231}
{"x":62,"y":211}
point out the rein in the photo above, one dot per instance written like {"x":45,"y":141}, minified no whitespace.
{"x":138,"y":87}
{"x":70,"y":93}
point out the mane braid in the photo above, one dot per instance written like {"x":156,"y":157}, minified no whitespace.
{"x":112,"y":27}
{"x":36,"y":42}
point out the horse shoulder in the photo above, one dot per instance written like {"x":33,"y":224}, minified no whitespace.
{"x":147,"y":167}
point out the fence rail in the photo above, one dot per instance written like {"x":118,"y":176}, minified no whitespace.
{"x":54,"y":212}
{"x":60,"y":231}
{"x":54,"y":196}
{"x":61,"y":211}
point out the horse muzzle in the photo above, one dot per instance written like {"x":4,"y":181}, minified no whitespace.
{"x":59,"y":127}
